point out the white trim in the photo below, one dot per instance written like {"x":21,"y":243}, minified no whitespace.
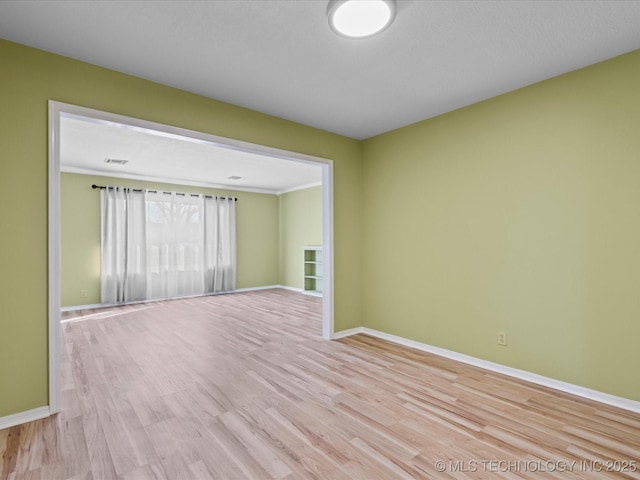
{"x":313,"y":293}
{"x":164,"y":130}
{"x":56,"y":109}
{"x":24,"y":417}
{"x":530,"y":377}
{"x":327,"y":252}
{"x":73,"y":308}
{"x":252,"y":289}
{"x":348,"y":333}
{"x":149,"y":178}
{"x":53,"y":268}
{"x":300,"y":187}
{"x":293,"y":289}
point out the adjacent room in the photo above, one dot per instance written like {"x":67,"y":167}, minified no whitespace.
{"x":270,"y":212}
{"x":251,"y":239}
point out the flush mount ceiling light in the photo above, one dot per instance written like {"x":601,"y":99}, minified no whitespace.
{"x":360,"y":18}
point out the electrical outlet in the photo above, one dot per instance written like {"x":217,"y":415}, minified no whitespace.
{"x":502,"y":338}
{"x":83,"y":293}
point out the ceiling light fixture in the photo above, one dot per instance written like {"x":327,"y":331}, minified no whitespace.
{"x":360,"y":18}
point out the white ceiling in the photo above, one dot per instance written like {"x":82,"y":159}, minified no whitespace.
{"x":163,"y":157}
{"x":280,"y":57}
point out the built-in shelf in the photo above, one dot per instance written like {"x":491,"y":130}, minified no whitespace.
{"x":312,"y":281}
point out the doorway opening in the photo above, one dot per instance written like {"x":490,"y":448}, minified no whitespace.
{"x":59,"y":111}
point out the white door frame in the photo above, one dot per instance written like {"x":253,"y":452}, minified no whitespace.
{"x":56,"y":109}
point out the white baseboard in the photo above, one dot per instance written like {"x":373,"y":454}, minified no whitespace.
{"x":577,"y":390}
{"x":24,"y":417}
{"x":238,"y":290}
{"x":81,"y":307}
{"x":251,"y":289}
{"x":292,"y":289}
{"x":348,"y":333}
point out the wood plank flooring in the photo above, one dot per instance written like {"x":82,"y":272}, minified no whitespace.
{"x":243,"y":387}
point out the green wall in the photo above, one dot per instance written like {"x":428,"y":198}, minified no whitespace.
{"x":300,"y":225}
{"x":519,"y":214}
{"x":28,"y":79}
{"x":257,"y":234}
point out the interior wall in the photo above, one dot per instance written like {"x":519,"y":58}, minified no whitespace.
{"x":300,"y":225}
{"x":256,"y":231}
{"x":517,"y":214}
{"x":29,"y":78}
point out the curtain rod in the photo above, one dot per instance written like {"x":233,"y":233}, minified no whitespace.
{"x":102,"y":187}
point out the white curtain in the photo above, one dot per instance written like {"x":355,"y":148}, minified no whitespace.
{"x":175,"y":242}
{"x":189,"y":245}
{"x":123,"y":271}
{"x":220,"y":244}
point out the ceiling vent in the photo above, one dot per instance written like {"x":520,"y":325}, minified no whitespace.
{"x":115,"y":161}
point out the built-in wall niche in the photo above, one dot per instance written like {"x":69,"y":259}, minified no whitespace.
{"x":312,"y":257}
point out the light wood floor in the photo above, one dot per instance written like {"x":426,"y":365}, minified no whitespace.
{"x":242,"y":386}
